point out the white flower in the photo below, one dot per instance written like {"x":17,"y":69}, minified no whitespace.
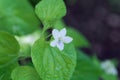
{"x":60,"y":38}
{"x":109,"y":67}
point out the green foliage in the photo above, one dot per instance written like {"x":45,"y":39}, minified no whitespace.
{"x":104,"y":75}
{"x":5,"y":72}
{"x":59,"y":24}
{"x":86,"y":69}
{"x":78,"y":39}
{"x":51,"y":63}
{"x":9,"y":48}
{"x":50,"y":11}
{"x":17,"y":17}
{"x":25,"y":73}
{"x":109,"y":77}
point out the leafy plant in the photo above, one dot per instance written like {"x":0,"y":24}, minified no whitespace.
{"x":56,"y":58}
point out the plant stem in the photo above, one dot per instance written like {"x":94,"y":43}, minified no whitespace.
{"x":44,"y":29}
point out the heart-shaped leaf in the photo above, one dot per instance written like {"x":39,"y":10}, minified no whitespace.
{"x":50,"y":11}
{"x":51,"y":63}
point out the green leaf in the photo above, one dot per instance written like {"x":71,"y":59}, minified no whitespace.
{"x":25,"y":73}
{"x":18,"y":18}
{"x":59,"y":25}
{"x":109,"y":77}
{"x":9,"y":49}
{"x":79,"y":39}
{"x":85,"y":69}
{"x":51,"y":63}
{"x":5,"y":72}
{"x":50,"y":11}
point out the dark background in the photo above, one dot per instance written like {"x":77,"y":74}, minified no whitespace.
{"x":99,"y":22}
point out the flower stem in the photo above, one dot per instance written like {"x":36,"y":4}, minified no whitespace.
{"x":48,"y":36}
{"x":44,"y":29}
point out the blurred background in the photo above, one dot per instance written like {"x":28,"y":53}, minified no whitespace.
{"x":99,"y":21}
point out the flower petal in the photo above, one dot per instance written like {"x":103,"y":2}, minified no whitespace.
{"x":63,"y":32}
{"x":55,"y":33}
{"x":60,"y":46}
{"x":53,"y":43}
{"x":67,"y":39}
